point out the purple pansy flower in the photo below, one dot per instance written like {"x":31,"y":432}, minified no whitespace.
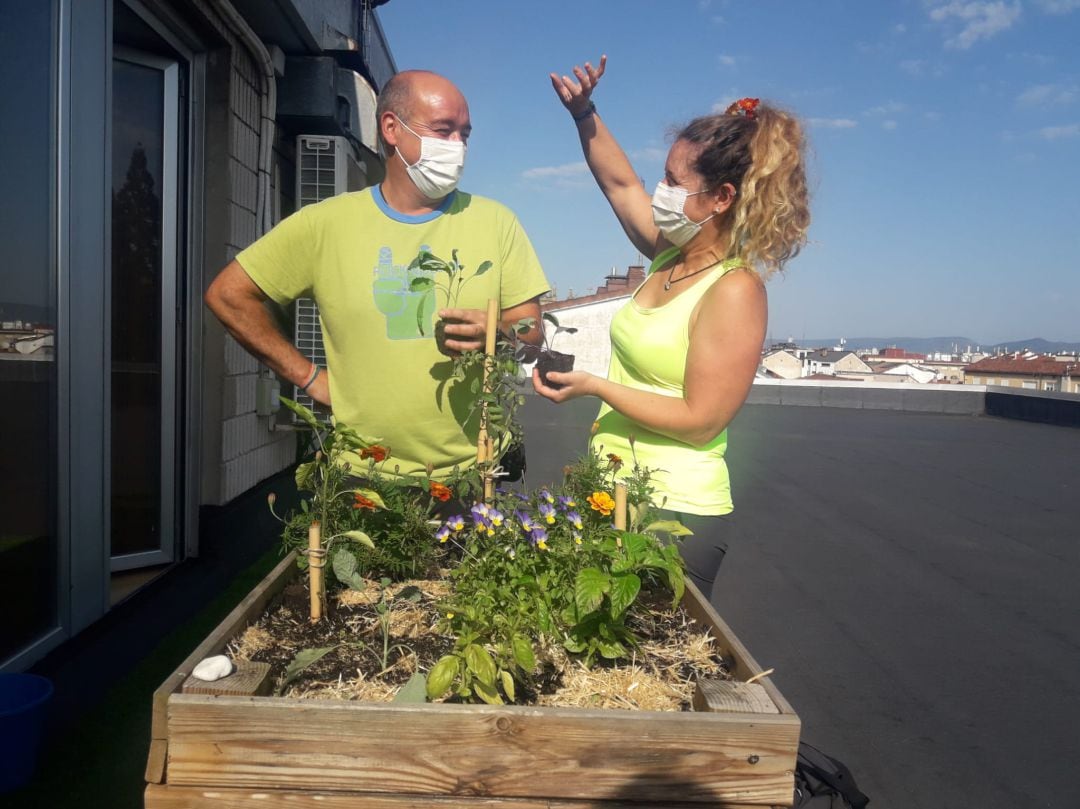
{"x":548,"y":513}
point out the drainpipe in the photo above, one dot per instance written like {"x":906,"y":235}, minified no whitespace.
{"x":267,"y":108}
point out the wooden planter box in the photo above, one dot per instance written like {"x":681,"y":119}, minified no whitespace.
{"x":255,"y":752}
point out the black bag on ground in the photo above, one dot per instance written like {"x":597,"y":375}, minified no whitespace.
{"x":822,"y":782}
{"x":513,"y":462}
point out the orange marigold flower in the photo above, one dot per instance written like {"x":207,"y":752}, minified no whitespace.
{"x":379,"y":453}
{"x":602,"y":502}
{"x":440,"y":492}
{"x":364,"y":502}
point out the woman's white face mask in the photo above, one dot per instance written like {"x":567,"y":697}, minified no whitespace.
{"x":438,"y":169}
{"x":667,"y":211}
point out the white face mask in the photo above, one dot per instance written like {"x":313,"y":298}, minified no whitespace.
{"x":667,"y":214}
{"x":438,"y":169}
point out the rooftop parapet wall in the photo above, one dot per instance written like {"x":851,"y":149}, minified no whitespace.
{"x":1062,"y":409}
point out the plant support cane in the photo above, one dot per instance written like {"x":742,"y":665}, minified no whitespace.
{"x":485,"y":452}
{"x":620,"y":510}
{"x":316,"y":562}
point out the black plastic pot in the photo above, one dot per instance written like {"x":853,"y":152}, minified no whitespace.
{"x":440,"y":335}
{"x":553,"y":361}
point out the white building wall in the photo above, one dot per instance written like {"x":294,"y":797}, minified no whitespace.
{"x":591,"y":346}
{"x":250,"y":451}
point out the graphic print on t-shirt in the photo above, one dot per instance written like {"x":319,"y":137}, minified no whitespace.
{"x":408,"y":312}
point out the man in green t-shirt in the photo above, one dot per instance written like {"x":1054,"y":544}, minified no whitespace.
{"x":351,"y":253}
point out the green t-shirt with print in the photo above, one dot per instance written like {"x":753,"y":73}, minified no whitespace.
{"x":387,"y":378}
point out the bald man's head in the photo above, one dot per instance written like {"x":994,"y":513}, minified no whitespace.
{"x":413,"y":93}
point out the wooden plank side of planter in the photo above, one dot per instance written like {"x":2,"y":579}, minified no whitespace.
{"x":173,"y":797}
{"x":456,"y":750}
{"x":746,"y":667}
{"x":246,"y":612}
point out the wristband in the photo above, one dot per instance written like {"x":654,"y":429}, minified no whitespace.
{"x":314,"y":374}
{"x":589,"y":111}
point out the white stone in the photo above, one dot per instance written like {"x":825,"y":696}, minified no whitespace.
{"x":213,"y":668}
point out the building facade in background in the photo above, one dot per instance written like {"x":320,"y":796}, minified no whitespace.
{"x":591,"y":315}
{"x":1026,"y":371}
{"x":156,"y":139}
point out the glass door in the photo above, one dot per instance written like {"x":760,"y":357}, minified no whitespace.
{"x":143,"y":346}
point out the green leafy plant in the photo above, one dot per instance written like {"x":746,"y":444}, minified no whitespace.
{"x":384,"y":609}
{"x":378,"y":528}
{"x":529,"y":571}
{"x":542,"y":568}
{"x":531,"y":353}
{"x":455,"y":279}
{"x":502,"y":397}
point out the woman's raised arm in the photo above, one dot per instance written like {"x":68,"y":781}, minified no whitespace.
{"x":606,"y":159}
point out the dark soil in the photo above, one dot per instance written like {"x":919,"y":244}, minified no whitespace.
{"x":554,"y":361}
{"x":356,"y":632}
{"x":440,"y":335}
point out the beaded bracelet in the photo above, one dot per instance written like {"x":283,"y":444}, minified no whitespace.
{"x":589,"y":111}
{"x":314,"y":373}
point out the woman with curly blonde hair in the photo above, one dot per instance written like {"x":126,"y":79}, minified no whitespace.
{"x":731,"y":210}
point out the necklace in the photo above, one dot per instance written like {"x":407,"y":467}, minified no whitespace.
{"x":671,"y":272}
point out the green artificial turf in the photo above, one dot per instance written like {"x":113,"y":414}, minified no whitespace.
{"x":101,"y":761}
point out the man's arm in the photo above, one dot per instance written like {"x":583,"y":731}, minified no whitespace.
{"x":239,"y":304}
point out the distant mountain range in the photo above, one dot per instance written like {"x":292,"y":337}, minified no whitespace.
{"x":930,"y":345}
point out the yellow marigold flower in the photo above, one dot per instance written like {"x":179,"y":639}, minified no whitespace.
{"x":602,"y":502}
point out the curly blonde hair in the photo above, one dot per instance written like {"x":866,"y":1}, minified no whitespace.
{"x":763,"y":156}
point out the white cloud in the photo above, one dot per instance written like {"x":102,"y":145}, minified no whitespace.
{"x":725,"y":102}
{"x":920,"y":68}
{"x":979,"y":20}
{"x":726,"y":60}
{"x":649,"y":153}
{"x":888,"y":108}
{"x":1058,"y":6}
{"x":565,"y":171}
{"x":1040,"y":59}
{"x":899,"y":28}
{"x":1059,"y":132}
{"x":889,"y":125}
{"x":832,"y":123}
{"x":1041,"y":95}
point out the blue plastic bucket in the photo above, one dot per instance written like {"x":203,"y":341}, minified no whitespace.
{"x":23,"y":700}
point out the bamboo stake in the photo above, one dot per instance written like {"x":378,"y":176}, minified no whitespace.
{"x":620,"y":506}
{"x":316,"y":561}
{"x":485,"y":450}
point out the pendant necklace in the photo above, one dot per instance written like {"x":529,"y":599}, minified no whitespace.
{"x":671,"y":272}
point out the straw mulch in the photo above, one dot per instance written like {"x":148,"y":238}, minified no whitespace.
{"x":660,"y":674}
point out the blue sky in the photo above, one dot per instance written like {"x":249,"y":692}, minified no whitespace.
{"x":945,"y":142}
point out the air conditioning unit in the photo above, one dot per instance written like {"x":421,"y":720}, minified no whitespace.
{"x":327,"y":165}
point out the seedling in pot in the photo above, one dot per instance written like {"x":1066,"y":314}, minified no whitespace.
{"x":456,"y":278}
{"x":545,"y":357}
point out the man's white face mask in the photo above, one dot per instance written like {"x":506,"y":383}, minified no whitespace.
{"x":438,"y":169}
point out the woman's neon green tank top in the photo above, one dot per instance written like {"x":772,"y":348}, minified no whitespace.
{"x":648,"y":352}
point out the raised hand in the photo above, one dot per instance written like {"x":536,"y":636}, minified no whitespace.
{"x":575,"y":94}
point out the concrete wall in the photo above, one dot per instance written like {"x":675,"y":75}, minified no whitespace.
{"x":970,"y":400}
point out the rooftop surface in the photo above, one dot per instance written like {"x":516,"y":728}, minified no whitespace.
{"x":910,"y":576}
{"x":913,"y":579}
